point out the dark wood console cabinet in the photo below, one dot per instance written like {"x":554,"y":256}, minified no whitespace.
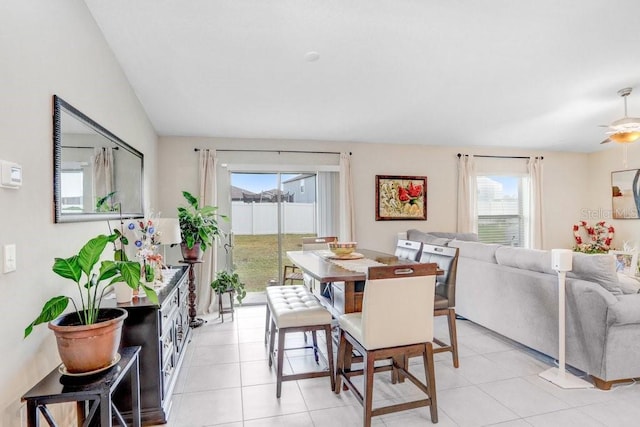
{"x":163,"y":333}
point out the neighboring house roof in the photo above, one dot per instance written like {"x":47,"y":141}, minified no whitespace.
{"x":299,"y":177}
{"x":237,"y":193}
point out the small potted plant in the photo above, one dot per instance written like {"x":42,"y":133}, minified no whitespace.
{"x":88,"y":338}
{"x":198,"y":227}
{"x":226,"y":282}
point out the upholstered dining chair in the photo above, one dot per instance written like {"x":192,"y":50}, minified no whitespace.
{"x":408,"y":249}
{"x":445,"y":296}
{"x":395,"y":322}
{"x":291,"y":273}
{"x":317,"y":243}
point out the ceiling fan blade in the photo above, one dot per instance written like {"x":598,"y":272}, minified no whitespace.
{"x":606,"y":141}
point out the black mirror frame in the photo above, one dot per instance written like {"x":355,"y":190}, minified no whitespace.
{"x":60,"y":105}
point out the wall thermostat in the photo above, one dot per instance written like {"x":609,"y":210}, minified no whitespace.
{"x":10,"y":174}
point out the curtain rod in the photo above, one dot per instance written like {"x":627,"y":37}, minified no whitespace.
{"x":279,"y":151}
{"x":501,"y":157}
{"x":71,"y":146}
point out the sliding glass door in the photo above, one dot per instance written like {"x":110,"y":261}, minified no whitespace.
{"x":270,"y":214}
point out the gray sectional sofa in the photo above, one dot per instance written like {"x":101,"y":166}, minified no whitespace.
{"x":514,"y":292}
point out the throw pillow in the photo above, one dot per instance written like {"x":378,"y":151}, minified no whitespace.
{"x":599,"y":268}
{"x":628,"y":284}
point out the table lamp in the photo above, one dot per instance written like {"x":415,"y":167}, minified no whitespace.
{"x":561,"y":261}
{"x":168,"y":230}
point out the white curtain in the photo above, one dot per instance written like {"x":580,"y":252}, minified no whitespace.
{"x":206,"y":298}
{"x":467,"y":218}
{"x":328,"y":210}
{"x":347,"y":214}
{"x":102,"y":173}
{"x":534,"y":166}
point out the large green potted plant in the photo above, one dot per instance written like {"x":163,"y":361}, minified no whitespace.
{"x":89,"y":337}
{"x":198,"y":227}
{"x":226,"y":282}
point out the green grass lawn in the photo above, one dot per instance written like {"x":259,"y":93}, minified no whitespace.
{"x":256,"y":258}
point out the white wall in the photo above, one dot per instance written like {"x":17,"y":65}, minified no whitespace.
{"x":598,"y":184}
{"x":49,"y":47}
{"x":564,"y":183}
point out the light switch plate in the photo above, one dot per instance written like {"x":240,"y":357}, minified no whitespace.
{"x":9,"y":258}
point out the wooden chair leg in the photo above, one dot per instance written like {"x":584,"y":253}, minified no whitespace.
{"x":453,"y":337}
{"x":430,"y":377}
{"x":368,"y":388}
{"x":396,"y":375}
{"x":348,"y":359}
{"x":342,"y":345}
{"x":332,"y":372}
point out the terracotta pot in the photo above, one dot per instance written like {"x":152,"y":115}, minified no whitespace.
{"x":193,"y":254}
{"x":86,"y":348}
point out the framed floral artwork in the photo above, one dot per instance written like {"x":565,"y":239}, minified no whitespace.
{"x":625,"y":194}
{"x":401,"y":198}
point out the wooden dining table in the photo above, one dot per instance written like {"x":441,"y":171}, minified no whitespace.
{"x":339,"y":289}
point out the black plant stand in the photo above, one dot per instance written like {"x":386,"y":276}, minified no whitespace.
{"x":194,"y":321}
{"x":91,"y":392}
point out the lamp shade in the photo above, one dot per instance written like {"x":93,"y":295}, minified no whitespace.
{"x":561,"y":259}
{"x":168,"y":231}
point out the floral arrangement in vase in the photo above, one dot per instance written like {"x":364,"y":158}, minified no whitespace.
{"x":598,"y":239}
{"x":146,"y":241}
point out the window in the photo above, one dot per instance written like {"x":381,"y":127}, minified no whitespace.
{"x":72,"y":189}
{"x":503,"y":209}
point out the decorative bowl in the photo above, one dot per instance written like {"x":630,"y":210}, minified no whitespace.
{"x":342,"y":248}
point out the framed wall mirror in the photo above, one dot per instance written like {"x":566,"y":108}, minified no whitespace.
{"x":97,"y":176}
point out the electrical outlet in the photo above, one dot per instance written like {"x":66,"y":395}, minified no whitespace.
{"x":9,"y":258}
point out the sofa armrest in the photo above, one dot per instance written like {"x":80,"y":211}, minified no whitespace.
{"x":625,"y":311}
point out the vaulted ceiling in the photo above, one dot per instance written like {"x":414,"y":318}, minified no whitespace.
{"x":535,"y":74}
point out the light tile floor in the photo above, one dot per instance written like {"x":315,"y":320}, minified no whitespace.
{"x":225,"y":381}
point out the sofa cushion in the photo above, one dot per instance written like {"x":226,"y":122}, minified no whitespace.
{"x":467,"y":237}
{"x":628,"y":284}
{"x":481,"y":251}
{"x":526,"y":259}
{"x":599,"y":268}
{"x":421,"y":236}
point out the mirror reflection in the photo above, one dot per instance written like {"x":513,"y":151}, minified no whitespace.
{"x":96,"y":173}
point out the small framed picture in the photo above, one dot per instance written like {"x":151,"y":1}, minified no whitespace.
{"x":626,"y":262}
{"x":401,"y":197}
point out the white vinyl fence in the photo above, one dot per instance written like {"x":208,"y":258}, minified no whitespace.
{"x":262,"y":218}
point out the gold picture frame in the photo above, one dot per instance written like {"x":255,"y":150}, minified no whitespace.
{"x":401,"y":198}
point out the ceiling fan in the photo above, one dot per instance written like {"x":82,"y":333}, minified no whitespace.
{"x":626,"y":129}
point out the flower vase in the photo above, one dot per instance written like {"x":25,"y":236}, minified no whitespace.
{"x":123,"y":292}
{"x":158,"y":274}
{"x":149,"y":273}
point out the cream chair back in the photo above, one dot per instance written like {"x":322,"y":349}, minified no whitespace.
{"x":317,"y":243}
{"x":397,"y":308}
{"x":408,"y":249}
